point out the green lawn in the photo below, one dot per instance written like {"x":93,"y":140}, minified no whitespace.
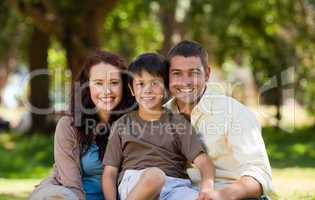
{"x":26,"y":159}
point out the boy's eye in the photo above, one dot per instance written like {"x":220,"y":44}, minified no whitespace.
{"x":156,"y":82}
{"x":175,"y":73}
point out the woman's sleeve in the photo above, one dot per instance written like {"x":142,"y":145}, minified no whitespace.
{"x":67,"y":156}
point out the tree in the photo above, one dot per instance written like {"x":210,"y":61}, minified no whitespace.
{"x":260,"y":30}
{"x":77,"y":25}
{"x":133,"y":28}
{"x":11,"y":39}
{"x":39,"y":85}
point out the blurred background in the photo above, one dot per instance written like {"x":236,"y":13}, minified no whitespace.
{"x":261,"y":52}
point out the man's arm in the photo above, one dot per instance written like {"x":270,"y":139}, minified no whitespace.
{"x":109,"y":182}
{"x":249,"y":150}
{"x":206,"y":168}
{"x":245,"y":187}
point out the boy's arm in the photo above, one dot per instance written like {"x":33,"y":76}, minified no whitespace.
{"x":206,"y":168}
{"x":109,"y":182}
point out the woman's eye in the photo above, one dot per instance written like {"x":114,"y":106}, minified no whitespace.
{"x":115,"y":82}
{"x":98,"y":83}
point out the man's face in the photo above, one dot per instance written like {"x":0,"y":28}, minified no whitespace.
{"x":188,"y":78}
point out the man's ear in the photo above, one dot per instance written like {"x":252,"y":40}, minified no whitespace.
{"x":208,"y":72}
{"x":130,"y":88}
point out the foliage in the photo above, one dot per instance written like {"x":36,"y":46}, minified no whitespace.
{"x":15,"y":33}
{"x":60,"y":76}
{"x":132,"y":28}
{"x":274,"y":34}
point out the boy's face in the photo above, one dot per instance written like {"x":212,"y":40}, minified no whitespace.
{"x":187,"y":78}
{"x":148,"y":91}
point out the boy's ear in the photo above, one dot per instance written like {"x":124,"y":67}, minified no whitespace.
{"x":130,"y":88}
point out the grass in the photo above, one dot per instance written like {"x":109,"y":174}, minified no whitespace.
{"x":25,"y":160}
{"x":295,"y":149}
{"x":25,"y":156}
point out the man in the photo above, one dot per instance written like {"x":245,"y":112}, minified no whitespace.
{"x":228,"y":128}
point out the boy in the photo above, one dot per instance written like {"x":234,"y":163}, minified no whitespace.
{"x":150,"y":147}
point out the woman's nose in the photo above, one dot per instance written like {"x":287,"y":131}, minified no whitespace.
{"x":106,"y":90}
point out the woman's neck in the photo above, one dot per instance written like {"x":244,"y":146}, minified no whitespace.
{"x":104,"y":116}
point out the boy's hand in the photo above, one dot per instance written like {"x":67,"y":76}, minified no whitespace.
{"x":206,"y":169}
{"x":205,"y":195}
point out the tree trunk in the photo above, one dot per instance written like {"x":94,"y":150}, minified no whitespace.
{"x":83,"y":39}
{"x":4,"y":72}
{"x":278,"y":100}
{"x":39,"y":93}
{"x":168,"y":23}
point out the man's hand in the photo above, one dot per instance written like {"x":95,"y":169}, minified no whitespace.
{"x":213,"y":195}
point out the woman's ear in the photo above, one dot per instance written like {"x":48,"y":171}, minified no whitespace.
{"x":130,"y":88}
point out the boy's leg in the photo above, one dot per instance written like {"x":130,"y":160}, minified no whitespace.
{"x":177,"y":188}
{"x":149,"y":185}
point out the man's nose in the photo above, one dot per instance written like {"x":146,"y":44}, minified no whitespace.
{"x":187,"y":80}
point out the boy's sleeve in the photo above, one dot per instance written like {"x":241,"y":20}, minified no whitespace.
{"x":190,"y":144}
{"x":113,"y":154}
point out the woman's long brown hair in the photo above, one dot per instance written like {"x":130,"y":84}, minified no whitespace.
{"x":81,"y":100}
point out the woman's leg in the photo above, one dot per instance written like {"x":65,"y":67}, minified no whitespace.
{"x":52,"y":192}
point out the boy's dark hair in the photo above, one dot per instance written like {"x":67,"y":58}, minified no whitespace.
{"x":153,"y":63}
{"x":188,"y":48}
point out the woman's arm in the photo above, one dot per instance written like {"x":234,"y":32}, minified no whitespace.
{"x":109,"y":182}
{"x":67,"y":157}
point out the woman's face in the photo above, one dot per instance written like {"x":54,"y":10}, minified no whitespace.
{"x":105,"y":86}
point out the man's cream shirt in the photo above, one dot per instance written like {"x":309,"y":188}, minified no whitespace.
{"x":233,"y":139}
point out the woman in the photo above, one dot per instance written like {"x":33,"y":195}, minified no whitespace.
{"x":99,"y":96}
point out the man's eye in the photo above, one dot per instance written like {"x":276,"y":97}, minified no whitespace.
{"x":195,"y":72}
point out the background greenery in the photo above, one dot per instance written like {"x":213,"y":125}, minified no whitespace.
{"x":266,"y":37}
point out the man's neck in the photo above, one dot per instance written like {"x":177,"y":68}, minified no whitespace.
{"x":184,"y":108}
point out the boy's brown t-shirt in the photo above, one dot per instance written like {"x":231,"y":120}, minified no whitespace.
{"x":167,"y":143}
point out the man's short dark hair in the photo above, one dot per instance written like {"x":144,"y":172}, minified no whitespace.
{"x":188,"y":48}
{"x":153,"y":63}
